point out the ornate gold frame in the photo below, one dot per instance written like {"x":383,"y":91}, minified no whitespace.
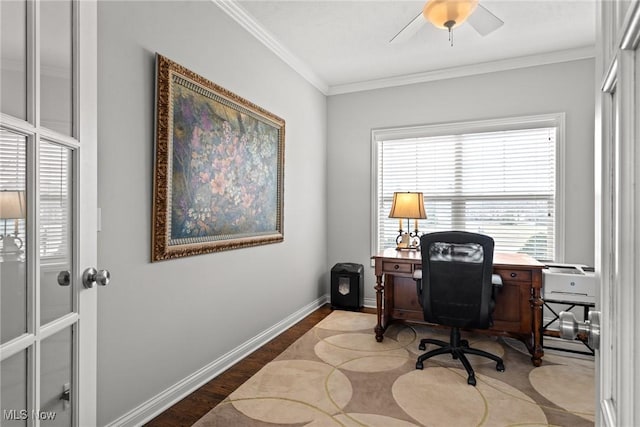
{"x":172,"y":81}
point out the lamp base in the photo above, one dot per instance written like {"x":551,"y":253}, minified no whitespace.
{"x":10,"y":251}
{"x":408,"y":241}
{"x":408,"y":248}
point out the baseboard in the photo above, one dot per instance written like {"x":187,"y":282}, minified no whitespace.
{"x":156,"y":405}
{"x":370,"y":303}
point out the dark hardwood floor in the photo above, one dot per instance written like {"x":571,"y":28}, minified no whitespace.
{"x":197,"y":404}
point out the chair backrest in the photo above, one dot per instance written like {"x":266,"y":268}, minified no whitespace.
{"x":456,"y":278}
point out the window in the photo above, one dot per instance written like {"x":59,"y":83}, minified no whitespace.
{"x":495,"y":177}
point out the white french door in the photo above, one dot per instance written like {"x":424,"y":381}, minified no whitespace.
{"x":618,"y":212}
{"x":48,"y":227}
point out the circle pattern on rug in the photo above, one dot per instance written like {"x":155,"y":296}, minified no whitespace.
{"x":491,"y":402}
{"x":361,"y":352}
{"x":404,"y":334}
{"x":347,"y":321}
{"x":293,"y":391}
{"x":359,"y":420}
{"x":551,"y":382}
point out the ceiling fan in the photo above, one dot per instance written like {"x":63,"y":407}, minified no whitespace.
{"x":449,"y":14}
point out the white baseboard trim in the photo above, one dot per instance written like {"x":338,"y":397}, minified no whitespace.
{"x":370,"y":302}
{"x":154,"y":406}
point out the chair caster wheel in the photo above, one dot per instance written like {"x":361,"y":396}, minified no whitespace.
{"x":419,"y":365}
{"x":471,"y":380}
{"x":422,"y":347}
{"x":500,"y":367}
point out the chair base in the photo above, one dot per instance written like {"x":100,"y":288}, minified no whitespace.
{"x":458,"y":348}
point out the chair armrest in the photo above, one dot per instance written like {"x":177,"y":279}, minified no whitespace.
{"x":417,"y":276}
{"x":496,"y":281}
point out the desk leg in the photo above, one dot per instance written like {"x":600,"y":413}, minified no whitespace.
{"x":536,"y":307}
{"x":379,"y":294}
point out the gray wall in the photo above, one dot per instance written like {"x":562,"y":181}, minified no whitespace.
{"x":160,"y":322}
{"x":565,"y":87}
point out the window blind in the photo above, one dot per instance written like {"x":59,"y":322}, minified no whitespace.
{"x":502,"y":184}
{"x":55,"y":204}
{"x":55,"y":184}
{"x":13,"y":166}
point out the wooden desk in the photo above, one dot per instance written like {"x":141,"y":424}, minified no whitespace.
{"x":518,"y":311}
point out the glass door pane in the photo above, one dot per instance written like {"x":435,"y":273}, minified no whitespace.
{"x":13,"y":211}
{"x":13,"y":393}
{"x":56,"y":290}
{"x":56,"y":360}
{"x":13,"y":60}
{"x":56,"y":60}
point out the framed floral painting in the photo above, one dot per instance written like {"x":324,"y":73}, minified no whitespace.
{"x":219,"y":168}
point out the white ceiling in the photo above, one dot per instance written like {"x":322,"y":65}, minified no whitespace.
{"x":343,"y":46}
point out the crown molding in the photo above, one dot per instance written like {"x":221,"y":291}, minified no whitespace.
{"x":246,"y":21}
{"x":468,"y":70}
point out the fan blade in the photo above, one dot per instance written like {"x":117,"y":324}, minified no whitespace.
{"x":483,"y":21}
{"x":409,"y":30}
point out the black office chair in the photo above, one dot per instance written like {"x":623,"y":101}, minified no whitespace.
{"x":455,"y":289}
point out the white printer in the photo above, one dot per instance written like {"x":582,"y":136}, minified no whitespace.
{"x":569,"y":282}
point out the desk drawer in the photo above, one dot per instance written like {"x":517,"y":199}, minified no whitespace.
{"x":514,"y":275}
{"x":397,"y":267}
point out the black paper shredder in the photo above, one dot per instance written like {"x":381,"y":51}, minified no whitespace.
{"x":347,"y":286}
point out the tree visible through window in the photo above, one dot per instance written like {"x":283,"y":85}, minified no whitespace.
{"x":499,"y":183}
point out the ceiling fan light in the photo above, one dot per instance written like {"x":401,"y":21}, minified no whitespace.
{"x":447,"y":14}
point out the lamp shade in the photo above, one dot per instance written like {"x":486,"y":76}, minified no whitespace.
{"x":408,"y":205}
{"x":447,"y":14}
{"x":12,"y":204}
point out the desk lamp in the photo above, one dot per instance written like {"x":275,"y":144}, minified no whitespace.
{"x":12,"y":206}
{"x":409,"y":205}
